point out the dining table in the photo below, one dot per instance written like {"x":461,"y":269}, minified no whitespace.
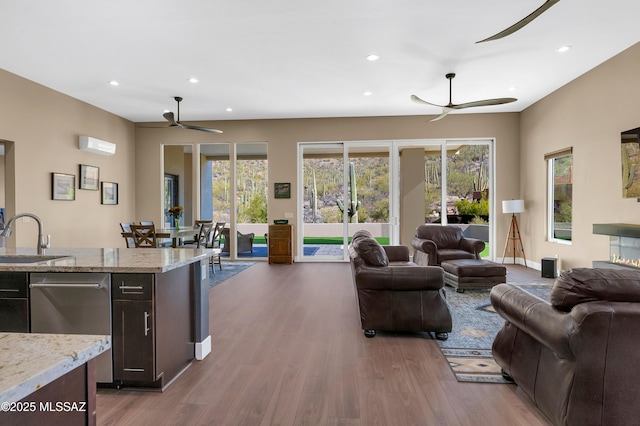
{"x":175,"y":234}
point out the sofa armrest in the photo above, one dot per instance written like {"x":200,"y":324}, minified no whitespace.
{"x":536,"y":317}
{"x":427,"y":247}
{"x":397,"y":253}
{"x":400,"y":278}
{"x":472,"y":245}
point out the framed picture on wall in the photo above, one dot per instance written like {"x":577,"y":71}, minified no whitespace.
{"x":109,"y":193}
{"x":89,"y":177}
{"x":63,"y":186}
{"x":282,"y":190}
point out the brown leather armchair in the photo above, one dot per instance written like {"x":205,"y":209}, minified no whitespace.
{"x":576,"y":357}
{"x":395,"y":294}
{"x":434,"y":244}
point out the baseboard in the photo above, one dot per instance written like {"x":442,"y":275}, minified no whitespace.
{"x":203,"y":348}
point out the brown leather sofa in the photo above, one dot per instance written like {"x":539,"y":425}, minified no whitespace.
{"x":395,"y":294}
{"x":434,"y":244}
{"x":577,"y":357}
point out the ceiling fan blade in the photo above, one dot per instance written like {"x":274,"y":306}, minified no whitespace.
{"x":515,"y":27}
{"x":170,"y":118}
{"x":202,"y":129}
{"x":445,"y":111}
{"x":416,"y":99}
{"x":485,"y":102}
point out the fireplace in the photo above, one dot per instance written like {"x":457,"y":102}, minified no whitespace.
{"x":624,"y":245}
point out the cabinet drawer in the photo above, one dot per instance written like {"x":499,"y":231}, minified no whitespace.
{"x":132,"y":286}
{"x":282,"y":231}
{"x":14,"y":285}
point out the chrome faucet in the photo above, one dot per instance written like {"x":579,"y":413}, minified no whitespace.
{"x":42,"y":244}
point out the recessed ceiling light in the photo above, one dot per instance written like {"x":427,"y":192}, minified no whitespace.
{"x":114,"y":83}
{"x":513,"y":88}
{"x":193,"y":80}
{"x":564,"y":49}
{"x":367,"y":93}
{"x":373,"y":57}
{"x":229,"y":109}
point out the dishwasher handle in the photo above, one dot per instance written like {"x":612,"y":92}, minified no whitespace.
{"x":97,"y":286}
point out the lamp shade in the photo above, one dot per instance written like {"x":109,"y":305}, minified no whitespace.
{"x":512,"y":206}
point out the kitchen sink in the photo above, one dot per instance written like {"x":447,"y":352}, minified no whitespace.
{"x":27,"y":258}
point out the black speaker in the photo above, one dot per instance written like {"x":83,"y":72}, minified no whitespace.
{"x":549,"y":267}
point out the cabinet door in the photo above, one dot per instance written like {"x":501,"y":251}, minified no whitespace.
{"x":133,"y":340}
{"x":14,"y":315}
{"x":14,"y":302}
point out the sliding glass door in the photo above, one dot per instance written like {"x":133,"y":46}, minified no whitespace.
{"x":345,"y":187}
{"x":389,"y":188}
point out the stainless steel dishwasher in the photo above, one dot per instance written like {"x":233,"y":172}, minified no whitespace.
{"x":73,"y":303}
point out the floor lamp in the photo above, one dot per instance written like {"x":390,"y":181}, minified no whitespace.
{"x":513,"y":238}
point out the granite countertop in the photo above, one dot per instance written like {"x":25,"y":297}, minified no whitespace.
{"x":29,"y":361}
{"x":150,"y":260}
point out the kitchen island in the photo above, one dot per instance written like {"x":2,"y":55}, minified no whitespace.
{"x":48,"y":378}
{"x":152,"y":302}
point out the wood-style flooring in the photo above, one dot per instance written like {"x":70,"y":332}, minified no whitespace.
{"x":288,"y":350}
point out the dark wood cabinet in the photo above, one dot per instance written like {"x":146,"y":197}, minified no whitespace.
{"x":133,"y":342}
{"x":14,"y":302}
{"x":280,"y":244}
{"x":153,"y":326}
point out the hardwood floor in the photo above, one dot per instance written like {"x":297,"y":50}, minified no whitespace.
{"x":288,"y":350}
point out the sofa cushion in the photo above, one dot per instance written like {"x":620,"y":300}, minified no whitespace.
{"x":370,"y":251}
{"x":581,"y":285}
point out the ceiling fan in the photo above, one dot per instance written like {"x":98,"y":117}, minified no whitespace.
{"x":446,"y":109}
{"x":515,"y":27}
{"x":176,"y":123}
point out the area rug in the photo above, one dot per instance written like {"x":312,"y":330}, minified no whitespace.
{"x":229,"y":269}
{"x":475,"y":325}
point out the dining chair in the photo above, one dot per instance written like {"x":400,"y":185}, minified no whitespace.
{"x":144,"y":235}
{"x":196,"y":225}
{"x":126,"y":227}
{"x":202,"y":237}
{"x":214,"y":242}
{"x":147,"y":223}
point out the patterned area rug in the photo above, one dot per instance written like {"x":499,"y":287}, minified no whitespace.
{"x":229,"y":269}
{"x":475,"y":325}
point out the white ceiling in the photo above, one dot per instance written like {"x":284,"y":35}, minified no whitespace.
{"x":302,"y":58}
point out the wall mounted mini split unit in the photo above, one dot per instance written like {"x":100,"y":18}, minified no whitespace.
{"x":96,"y":146}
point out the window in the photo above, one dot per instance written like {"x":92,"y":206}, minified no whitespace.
{"x":560,"y":194}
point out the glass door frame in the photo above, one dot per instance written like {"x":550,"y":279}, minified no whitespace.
{"x":387,"y":146}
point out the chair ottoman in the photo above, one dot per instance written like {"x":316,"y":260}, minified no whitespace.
{"x":464,"y":274}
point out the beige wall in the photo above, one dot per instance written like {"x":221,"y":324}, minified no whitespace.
{"x":282,"y":137}
{"x":44,"y":126}
{"x":587,"y":114}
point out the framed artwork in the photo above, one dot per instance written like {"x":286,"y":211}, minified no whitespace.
{"x":89,"y":177}
{"x":109,"y":193}
{"x":63,"y":186}
{"x":282,"y":190}
{"x":631,"y":163}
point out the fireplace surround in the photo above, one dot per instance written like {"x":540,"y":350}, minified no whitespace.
{"x":624,"y":245}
